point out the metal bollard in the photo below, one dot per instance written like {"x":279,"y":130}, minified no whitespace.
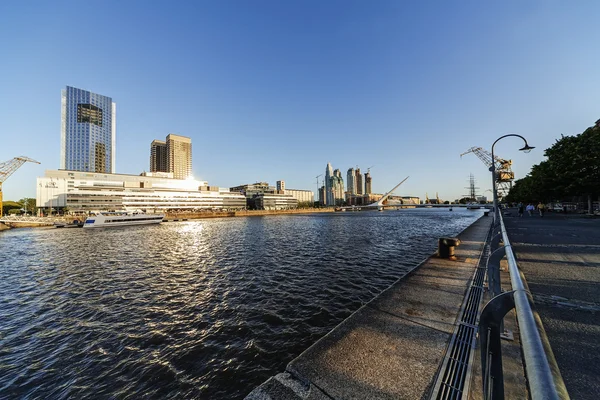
{"x":446,"y":247}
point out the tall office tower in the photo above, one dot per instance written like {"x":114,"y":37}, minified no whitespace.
{"x":359,"y":182}
{"x":281,"y":186}
{"x":179,"y":156}
{"x":338,"y":186}
{"x":159,"y":161}
{"x":351,"y":181}
{"x":329,"y":198}
{"x":88,"y":131}
{"x":368,"y":183}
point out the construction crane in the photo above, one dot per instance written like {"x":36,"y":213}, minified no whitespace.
{"x":504,"y":173}
{"x":7,"y":168}
{"x":369,"y":169}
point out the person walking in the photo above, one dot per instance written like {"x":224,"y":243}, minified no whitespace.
{"x":541,"y":207}
{"x":520,"y":208}
{"x":530,"y":208}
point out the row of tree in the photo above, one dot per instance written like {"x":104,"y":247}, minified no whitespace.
{"x":19,"y":207}
{"x":572,"y":169}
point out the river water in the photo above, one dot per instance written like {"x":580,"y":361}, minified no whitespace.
{"x":201,"y":309}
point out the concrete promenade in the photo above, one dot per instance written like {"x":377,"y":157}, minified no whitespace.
{"x":560,"y":257}
{"x":393,"y":347}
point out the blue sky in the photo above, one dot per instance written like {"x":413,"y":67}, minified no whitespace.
{"x":272,"y":90}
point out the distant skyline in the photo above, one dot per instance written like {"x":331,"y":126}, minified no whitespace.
{"x":271,"y":90}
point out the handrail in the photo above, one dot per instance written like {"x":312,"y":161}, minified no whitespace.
{"x":543,"y":374}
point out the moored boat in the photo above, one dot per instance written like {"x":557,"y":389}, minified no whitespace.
{"x":107,"y":219}
{"x":75,"y":224}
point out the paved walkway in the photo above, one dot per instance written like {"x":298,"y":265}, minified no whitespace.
{"x":560,"y":257}
{"x":392,"y":347}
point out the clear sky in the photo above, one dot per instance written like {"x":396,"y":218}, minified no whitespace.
{"x":271,"y":90}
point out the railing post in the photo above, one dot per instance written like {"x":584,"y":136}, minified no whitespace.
{"x":493,"y":270}
{"x":490,"y":330}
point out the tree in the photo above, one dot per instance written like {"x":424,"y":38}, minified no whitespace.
{"x":572,"y":169}
{"x":10,"y":205}
{"x":28,"y":204}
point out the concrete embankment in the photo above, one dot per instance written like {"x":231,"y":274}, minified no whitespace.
{"x":393,"y":346}
{"x":175,"y":217}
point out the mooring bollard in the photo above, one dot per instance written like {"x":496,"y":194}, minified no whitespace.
{"x":486,"y":213}
{"x":446,"y":247}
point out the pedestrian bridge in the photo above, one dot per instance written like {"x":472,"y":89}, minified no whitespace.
{"x":29,"y":219}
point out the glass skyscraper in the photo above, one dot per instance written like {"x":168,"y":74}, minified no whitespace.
{"x":88,"y":131}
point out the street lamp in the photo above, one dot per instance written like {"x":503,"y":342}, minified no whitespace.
{"x":526,"y":149}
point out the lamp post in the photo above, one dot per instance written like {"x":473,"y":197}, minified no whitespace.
{"x":525,"y":149}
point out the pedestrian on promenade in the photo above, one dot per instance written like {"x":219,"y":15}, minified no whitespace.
{"x":520,"y":207}
{"x":530,"y":208}
{"x":541,"y":207}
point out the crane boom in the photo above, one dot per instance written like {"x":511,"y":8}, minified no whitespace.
{"x":504,"y":173}
{"x":486,"y":157}
{"x":7,"y":168}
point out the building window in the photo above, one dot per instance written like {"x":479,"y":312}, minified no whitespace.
{"x":87,"y":113}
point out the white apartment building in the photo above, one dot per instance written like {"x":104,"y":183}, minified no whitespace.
{"x":302,"y":196}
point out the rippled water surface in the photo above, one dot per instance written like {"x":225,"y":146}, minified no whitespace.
{"x":198,"y":309}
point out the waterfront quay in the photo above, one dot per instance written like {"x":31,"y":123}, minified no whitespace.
{"x":394,"y":346}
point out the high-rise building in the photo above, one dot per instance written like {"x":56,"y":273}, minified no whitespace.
{"x":337,"y":186}
{"x":179,"y":156}
{"x":159,"y":160}
{"x":88,"y":131}
{"x":329,"y":197}
{"x":359,"y":182}
{"x":368,"y":183}
{"x":351,"y":181}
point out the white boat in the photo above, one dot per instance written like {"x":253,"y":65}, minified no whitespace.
{"x":106,"y":219}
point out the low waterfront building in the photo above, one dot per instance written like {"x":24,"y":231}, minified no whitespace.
{"x":362,"y":199}
{"x":402,"y":200}
{"x":250,"y":189}
{"x":262,"y":196}
{"x":93,"y":192}
{"x":266,"y":201}
{"x":303,"y":196}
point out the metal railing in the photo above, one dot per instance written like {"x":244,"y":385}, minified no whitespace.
{"x":544,"y":380}
{"x":31,"y":219}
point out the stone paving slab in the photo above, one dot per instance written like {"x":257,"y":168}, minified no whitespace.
{"x":393,"y":346}
{"x":560,"y":257}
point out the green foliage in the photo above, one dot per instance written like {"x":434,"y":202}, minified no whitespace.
{"x":572,"y":169}
{"x":10,"y":205}
{"x":28,"y":204}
